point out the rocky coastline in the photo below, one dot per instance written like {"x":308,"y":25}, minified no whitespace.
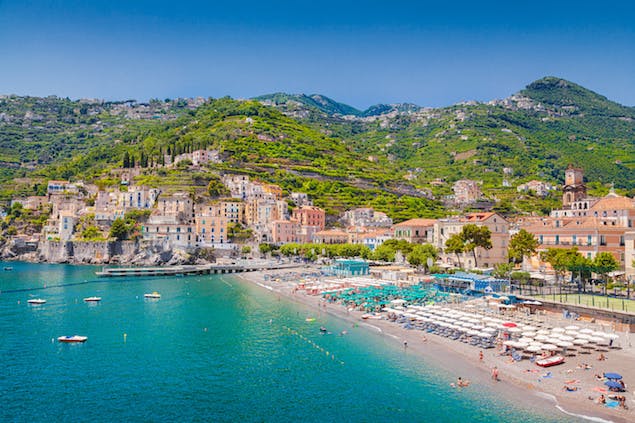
{"x":137,"y":253}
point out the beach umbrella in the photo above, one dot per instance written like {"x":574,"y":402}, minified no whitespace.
{"x":611,"y":336}
{"x":479,"y":327}
{"x":533,"y":348}
{"x":564,"y":344}
{"x":613,"y":384}
{"x":583,"y":336}
{"x":526,"y":340}
{"x":513,"y":330}
{"x":586,"y":330}
{"x":510,"y":343}
{"x":612,"y":375}
{"x":529,"y":334}
{"x":489,"y":329}
{"x":572,"y":327}
{"x":543,"y":332}
{"x":541,"y":337}
{"x":549,"y":347}
{"x":529,"y":328}
{"x":557,"y":330}
{"x":567,"y":338}
{"x":510,"y":324}
{"x":572,"y":332}
{"x":484,"y":335}
{"x":536,"y":344}
{"x":597,"y":339}
{"x":580,"y":341}
{"x":553,"y":340}
{"x":472,"y":332}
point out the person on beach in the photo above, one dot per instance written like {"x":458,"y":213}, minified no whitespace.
{"x":462,"y":383}
{"x":405,"y":345}
{"x":569,"y":388}
{"x":480,"y":355}
{"x":601,"y":399}
{"x":601,"y":357}
{"x":495,"y":374}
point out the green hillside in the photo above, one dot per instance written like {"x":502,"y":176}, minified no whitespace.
{"x":386,"y":158}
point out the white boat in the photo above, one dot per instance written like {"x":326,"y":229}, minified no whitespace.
{"x":92,"y":299}
{"x":74,"y":338}
{"x":155,"y":294}
{"x":36,"y":301}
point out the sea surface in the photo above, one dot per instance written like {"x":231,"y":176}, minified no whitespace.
{"x":213,"y":348}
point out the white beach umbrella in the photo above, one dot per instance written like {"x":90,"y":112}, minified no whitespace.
{"x":541,"y":337}
{"x":533,"y":348}
{"x":513,"y":330}
{"x":584,"y":336}
{"x":489,"y":329}
{"x":536,"y":344}
{"x":522,"y":345}
{"x":526,"y":340}
{"x":549,"y":347}
{"x":484,"y":335}
{"x":557,"y":330}
{"x":564,"y":344}
{"x":472,"y":332}
{"x":586,"y":330}
{"x":511,"y":343}
{"x":552,"y":340}
{"x":597,"y":339}
{"x":567,"y":338}
{"x":529,"y":328}
{"x":611,"y":336}
{"x":529,"y":334}
{"x":492,"y":324}
{"x":572,"y":332}
{"x":479,"y":327}
{"x":580,"y":341}
{"x":572,"y":327}
{"x":543,"y":332}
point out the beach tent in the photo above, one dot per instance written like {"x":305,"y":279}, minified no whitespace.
{"x":611,"y":375}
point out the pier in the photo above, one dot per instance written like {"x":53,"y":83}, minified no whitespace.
{"x":183,"y":270}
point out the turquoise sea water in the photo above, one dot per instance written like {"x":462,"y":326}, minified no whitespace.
{"x":213,"y":348}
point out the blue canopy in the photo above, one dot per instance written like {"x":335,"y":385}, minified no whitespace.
{"x":612,"y":384}
{"x":616,"y":376}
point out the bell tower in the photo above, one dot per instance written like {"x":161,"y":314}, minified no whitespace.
{"x":574,"y":188}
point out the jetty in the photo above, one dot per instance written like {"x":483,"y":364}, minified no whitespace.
{"x":184,"y":270}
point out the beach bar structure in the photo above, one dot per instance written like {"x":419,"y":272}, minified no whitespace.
{"x":190,"y":270}
{"x":462,"y":282}
{"x":347,"y":268}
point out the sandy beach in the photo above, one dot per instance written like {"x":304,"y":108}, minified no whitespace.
{"x":519,"y":381}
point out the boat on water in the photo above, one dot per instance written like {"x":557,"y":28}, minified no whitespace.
{"x":36,"y":301}
{"x":92,"y":299}
{"x":7,"y":268}
{"x":74,"y":338}
{"x":155,"y":294}
{"x":550,"y":361}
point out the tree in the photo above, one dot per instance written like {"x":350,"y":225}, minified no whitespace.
{"x":119,"y":229}
{"x":475,"y":236}
{"x":91,"y":232}
{"x":421,"y":253}
{"x":126,"y":160}
{"x":604,"y":263}
{"x":455,"y":245}
{"x":216,"y":188}
{"x":246,"y":249}
{"x":265,"y":248}
{"x":523,"y":244}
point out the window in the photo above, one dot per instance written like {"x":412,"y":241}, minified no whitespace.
{"x":574,"y":239}
{"x":589,"y":240}
{"x":602,"y":240}
{"x":557,"y":239}
{"x":621,"y":240}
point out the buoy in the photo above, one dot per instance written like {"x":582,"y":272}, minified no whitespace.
{"x":205,"y":330}
{"x":125,"y":335}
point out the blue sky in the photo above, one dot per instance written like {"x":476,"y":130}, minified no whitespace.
{"x":360,"y":53}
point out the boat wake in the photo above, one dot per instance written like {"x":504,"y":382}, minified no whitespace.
{"x":374,"y":327}
{"x":569,"y":413}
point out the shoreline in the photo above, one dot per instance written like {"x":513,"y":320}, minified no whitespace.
{"x":461,"y":359}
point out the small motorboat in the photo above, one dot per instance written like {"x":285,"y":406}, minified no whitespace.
{"x":8,"y":268}
{"x":550,"y":361}
{"x":74,"y":338}
{"x":92,"y":299}
{"x":36,"y":301}
{"x":154,"y":295}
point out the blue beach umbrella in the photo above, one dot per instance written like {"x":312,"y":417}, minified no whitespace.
{"x":612,"y":384}
{"x":615,"y":376}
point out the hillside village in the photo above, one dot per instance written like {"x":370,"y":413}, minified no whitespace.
{"x":241,"y":213}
